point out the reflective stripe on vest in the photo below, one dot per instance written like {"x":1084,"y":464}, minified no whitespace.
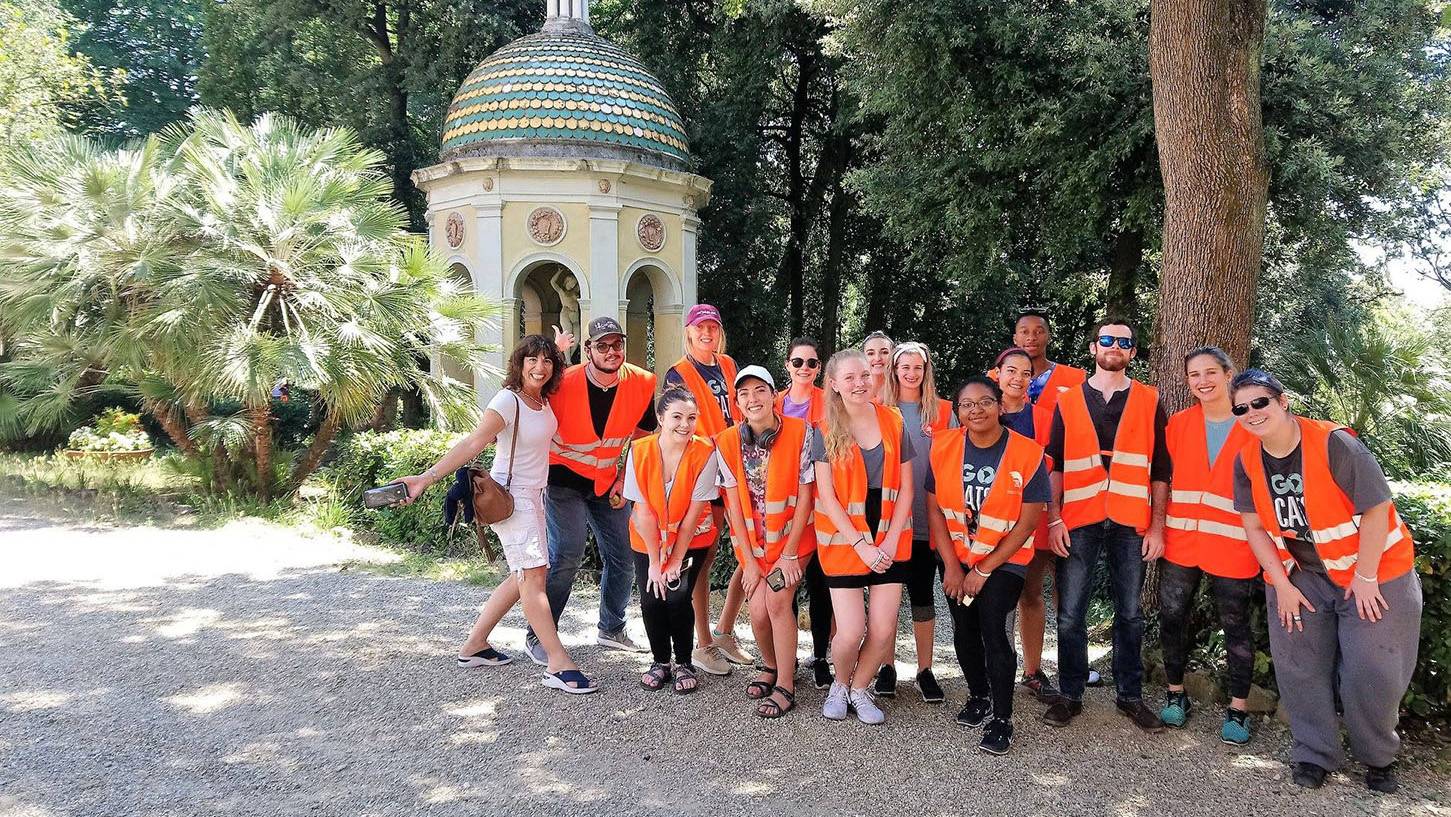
{"x":836,"y":549}
{"x":1334,"y":524}
{"x":783,"y":480}
{"x":1202,"y":528}
{"x":1001,"y":507}
{"x":575,"y":444}
{"x":670,"y":510}
{"x":1120,"y":492}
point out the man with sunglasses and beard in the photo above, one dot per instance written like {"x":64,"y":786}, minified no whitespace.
{"x":602,"y":404}
{"x":1111,"y":471}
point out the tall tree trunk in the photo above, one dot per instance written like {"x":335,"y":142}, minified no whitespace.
{"x":387,"y":411}
{"x":831,"y":276}
{"x":165,"y":414}
{"x":261,"y":418}
{"x":331,"y":421}
{"x":1126,"y":255}
{"x":1204,"y":61}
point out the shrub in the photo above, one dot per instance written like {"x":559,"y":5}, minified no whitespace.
{"x":1426,"y":509}
{"x":368,"y":459}
{"x":114,"y":430}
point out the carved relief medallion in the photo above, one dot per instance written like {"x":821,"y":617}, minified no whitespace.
{"x":546,"y":226}
{"x":651,"y":232}
{"x":453,"y":230}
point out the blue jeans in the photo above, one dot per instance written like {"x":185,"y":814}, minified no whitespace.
{"x":566,"y":513}
{"x":1123,"y":547}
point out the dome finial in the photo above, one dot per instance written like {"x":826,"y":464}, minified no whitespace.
{"x":568,"y":10}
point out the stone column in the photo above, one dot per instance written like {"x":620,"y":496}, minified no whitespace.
{"x":669,"y":336}
{"x":605,"y":289}
{"x":689,"y":225}
{"x":488,"y":273}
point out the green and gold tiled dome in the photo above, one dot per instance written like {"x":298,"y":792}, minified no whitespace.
{"x":564,"y":92}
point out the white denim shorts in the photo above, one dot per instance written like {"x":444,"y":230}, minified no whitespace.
{"x":522,"y":535}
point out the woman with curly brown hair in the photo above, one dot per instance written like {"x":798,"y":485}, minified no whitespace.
{"x":521,"y":424}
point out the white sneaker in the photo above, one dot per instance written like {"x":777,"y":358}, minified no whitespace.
{"x":710,"y":659}
{"x":866,"y":708}
{"x":835,"y":708}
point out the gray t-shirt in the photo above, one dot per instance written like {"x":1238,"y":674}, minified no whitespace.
{"x":912,"y":425}
{"x":871,"y":457}
{"x":1352,"y":465}
{"x":979,"y":471}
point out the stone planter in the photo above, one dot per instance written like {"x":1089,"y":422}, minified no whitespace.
{"x":109,"y":456}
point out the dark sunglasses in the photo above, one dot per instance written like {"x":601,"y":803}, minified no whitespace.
{"x":808,"y":362}
{"x":1241,"y":409}
{"x":1123,"y":343}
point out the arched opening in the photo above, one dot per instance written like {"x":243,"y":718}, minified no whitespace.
{"x":548,"y":294}
{"x":452,"y":368}
{"x":640,"y":321}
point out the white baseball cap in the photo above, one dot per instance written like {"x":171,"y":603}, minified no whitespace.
{"x":758,"y":372}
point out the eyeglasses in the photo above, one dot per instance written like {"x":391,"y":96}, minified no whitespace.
{"x":1123,"y":343}
{"x":617,"y":346}
{"x":808,"y":362}
{"x":984,"y":404}
{"x":1241,"y":409}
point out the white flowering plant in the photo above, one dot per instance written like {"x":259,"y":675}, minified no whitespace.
{"x":114,"y":430}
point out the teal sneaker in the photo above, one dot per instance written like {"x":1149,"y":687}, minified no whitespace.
{"x":1236,"y":729}
{"x":1176,"y":709}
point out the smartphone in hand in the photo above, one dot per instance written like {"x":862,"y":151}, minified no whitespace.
{"x":776,"y":579}
{"x":385,"y":495}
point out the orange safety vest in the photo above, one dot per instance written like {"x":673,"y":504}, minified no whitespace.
{"x":575,"y":444}
{"x":1202,"y":528}
{"x":650,"y":476}
{"x":815,"y":410}
{"x":1000,"y":508}
{"x":1121,"y":493}
{"x":835,"y":549}
{"x":1334,"y":524}
{"x":1061,"y":378}
{"x":783,"y":481}
{"x":710,"y":422}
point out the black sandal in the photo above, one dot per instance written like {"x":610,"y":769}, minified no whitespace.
{"x":758,"y":689}
{"x":686,"y":673}
{"x":769,"y":709}
{"x":659,"y":674}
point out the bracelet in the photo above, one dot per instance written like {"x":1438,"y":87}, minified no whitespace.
{"x":1371,"y":579}
{"x":793,"y":557}
{"x":1054,"y":522}
{"x":987,"y":575}
{"x":862,"y":540}
{"x":431,"y":474}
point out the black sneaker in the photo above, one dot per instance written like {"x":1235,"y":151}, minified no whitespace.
{"x":1308,"y":775}
{"x":1381,"y":779}
{"x":821,"y":673}
{"x":1142,"y":716}
{"x":928,"y":686}
{"x":1041,"y":686}
{"x":887,"y":681}
{"x":997,"y":737}
{"x":975,"y":712}
{"x":1062,"y":712}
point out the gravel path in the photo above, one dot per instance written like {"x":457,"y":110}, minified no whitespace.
{"x":238,"y":671}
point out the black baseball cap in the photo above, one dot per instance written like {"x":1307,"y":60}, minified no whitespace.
{"x":600,"y":327}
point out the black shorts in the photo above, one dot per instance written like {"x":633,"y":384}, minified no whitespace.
{"x":898,"y":573}
{"x":922,"y":580}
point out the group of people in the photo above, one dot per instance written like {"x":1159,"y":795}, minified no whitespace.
{"x":874,"y":482}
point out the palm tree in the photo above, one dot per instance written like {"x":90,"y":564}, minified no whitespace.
{"x":270,"y":254}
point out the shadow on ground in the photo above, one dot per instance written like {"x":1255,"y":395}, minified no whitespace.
{"x":320,"y":691}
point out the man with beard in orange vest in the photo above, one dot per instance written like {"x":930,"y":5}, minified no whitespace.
{"x":602,"y":404}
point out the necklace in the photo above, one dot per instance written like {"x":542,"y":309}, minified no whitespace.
{"x":534,"y":404}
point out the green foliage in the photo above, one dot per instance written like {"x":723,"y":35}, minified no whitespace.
{"x":1426,"y":509}
{"x":369,"y":459}
{"x":153,"y":48}
{"x":117,"y":420}
{"x":200,"y":269}
{"x":42,"y":83}
{"x":1385,"y":379}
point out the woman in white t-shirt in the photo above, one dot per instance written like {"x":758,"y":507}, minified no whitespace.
{"x":521,"y":424}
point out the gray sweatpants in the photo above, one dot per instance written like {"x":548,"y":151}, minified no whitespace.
{"x":1374,"y":661}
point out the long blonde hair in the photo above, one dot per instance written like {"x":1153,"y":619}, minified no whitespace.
{"x":836,"y":427}
{"x":892,"y":394}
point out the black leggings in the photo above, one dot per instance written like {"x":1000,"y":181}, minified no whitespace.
{"x":980,"y":637}
{"x":818,"y":601}
{"x":671,"y":620}
{"x":922,"y":582}
{"x":1177,"y":586}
